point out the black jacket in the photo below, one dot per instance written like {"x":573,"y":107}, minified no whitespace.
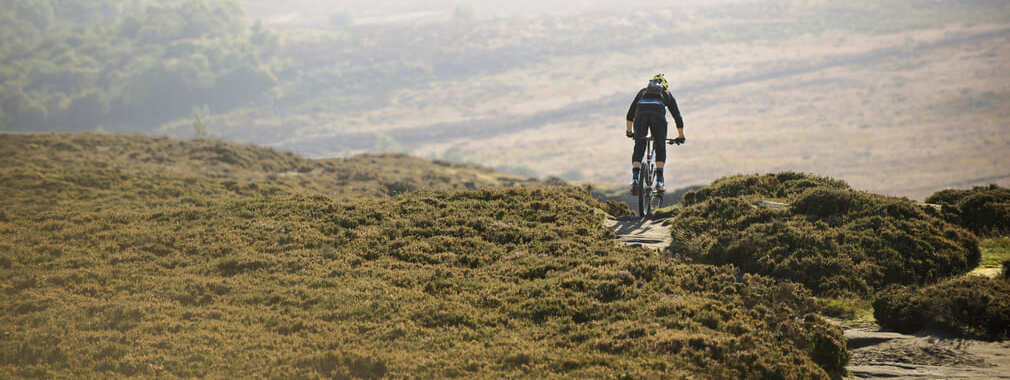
{"x":668,"y":100}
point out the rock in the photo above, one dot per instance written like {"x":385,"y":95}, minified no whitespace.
{"x":772,"y":205}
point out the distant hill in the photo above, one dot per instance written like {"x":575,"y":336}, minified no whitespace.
{"x":132,"y":256}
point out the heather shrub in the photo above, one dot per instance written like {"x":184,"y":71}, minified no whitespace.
{"x":972,"y":306}
{"x":124,"y":271}
{"x":982,"y":210}
{"x":833,"y":240}
{"x":778,"y":186}
{"x":824,"y":202}
{"x":946,"y":197}
{"x":257,"y":169}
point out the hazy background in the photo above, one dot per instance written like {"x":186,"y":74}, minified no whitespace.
{"x":902,"y":98}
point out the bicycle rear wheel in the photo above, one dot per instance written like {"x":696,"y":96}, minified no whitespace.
{"x":643,"y":198}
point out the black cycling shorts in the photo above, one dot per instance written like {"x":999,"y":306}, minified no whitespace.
{"x":650,"y":118}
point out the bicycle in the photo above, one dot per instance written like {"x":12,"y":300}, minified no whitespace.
{"x":648,"y":198}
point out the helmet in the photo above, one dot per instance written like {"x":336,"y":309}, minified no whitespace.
{"x":661,"y":79}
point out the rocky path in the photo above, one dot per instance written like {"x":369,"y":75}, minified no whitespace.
{"x":640,"y":232}
{"x":886,"y":355}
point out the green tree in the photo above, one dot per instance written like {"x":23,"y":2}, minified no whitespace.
{"x":128,"y":65}
{"x":242,"y":85}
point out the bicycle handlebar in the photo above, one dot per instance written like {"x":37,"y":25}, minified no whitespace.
{"x":668,"y":141}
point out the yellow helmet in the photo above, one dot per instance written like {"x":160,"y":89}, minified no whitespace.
{"x":661,"y":79}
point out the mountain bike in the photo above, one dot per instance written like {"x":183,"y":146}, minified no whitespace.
{"x":648,"y":198}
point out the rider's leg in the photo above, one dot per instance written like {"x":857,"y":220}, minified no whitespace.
{"x":641,"y":129}
{"x":659,"y":127}
{"x":636,"y":160}
{"x":638,"y":154}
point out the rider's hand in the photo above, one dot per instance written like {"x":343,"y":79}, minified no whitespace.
{"x":630,"y":134}
{"x":679,"y":140}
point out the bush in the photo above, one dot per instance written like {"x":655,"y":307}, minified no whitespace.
{"x":987,"y":213}
{"x":973,"y":306}
{"x":835,"y":241}
{"x":779,"y":185}
{"x":128,"y":67}
{"x":982,"y":210}
{"x":824,"y":202}
{"x":232,"y":274}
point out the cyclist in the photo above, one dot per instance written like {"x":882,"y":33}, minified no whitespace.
{"x":648,"y":113}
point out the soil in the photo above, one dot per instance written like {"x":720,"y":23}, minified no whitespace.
{"x":641,"y":232}
{"x":880,"y":354}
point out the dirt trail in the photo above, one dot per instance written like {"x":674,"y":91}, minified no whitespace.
{"x":640,"y":232}
{"x":887,"y":355}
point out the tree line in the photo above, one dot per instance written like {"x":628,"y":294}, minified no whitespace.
{"x":127,"y":65}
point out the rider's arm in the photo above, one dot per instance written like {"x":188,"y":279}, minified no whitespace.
{"x":671,"y":104}
{"x":634,"y":106}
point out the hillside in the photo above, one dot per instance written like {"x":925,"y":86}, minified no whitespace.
{"x":130,"y":256}
{"x":897,"y":97}
{"x":245,"y":168}
{"x":830,"y":87}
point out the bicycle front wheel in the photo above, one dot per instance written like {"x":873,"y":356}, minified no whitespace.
{"x":642,"y":202}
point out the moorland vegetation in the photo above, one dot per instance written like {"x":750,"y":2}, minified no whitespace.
{"x":130,"y":256}
{"x":985,"y":210}
{"x":834,"y":240}
{"x":974,"y":306}
{"x":971,"y":306}
{"x":907,"y":259}
{"x":128,"y":66}
{"x":245,"y":168}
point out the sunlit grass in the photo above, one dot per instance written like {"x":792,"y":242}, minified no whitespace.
{"x":994,"y":252}
{"x":850,"y":309}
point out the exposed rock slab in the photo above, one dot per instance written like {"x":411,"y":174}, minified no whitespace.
{"x":888,"y":355}
{"x":641,"y":232}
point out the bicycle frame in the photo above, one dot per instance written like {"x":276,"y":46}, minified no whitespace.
{"x":648,"y":198}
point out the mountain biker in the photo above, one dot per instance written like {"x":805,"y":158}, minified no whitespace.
{"x":648,"y":113}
